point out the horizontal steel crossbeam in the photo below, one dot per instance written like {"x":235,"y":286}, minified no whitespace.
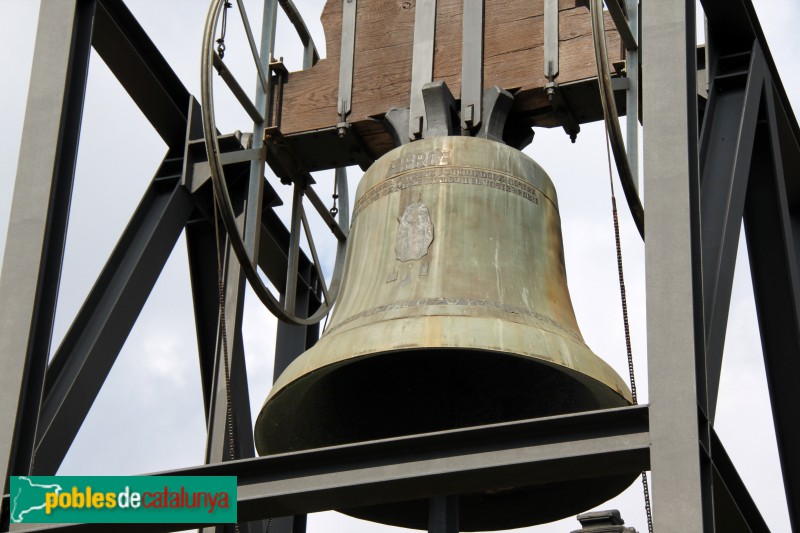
{"x":528,"y":452}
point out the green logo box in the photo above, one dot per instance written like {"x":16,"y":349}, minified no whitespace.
{"x":123,"y":499}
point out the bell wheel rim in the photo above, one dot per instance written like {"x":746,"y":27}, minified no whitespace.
{"x":284,"y":309}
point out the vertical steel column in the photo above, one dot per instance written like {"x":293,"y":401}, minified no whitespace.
{"x":38,"y":222}
{"x":443,"y":514}
{"x":632,"y":96}
{"x":264,"y":107}
{"x":290,"y":342}
{"x":674,"y":322}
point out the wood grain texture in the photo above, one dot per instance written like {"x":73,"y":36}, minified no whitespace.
{"x":513,"y":60}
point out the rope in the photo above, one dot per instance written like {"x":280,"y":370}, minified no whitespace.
{"x":624,"y":299}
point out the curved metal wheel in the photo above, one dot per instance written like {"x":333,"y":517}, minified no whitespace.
{"x":284,"y":308}
{"x":612,"y":117}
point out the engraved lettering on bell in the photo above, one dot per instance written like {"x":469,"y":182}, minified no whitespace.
{"x":415,"y":234}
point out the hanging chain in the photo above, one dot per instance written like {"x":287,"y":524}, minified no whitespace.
{"x":221,"y":40}
{"x":624,"y":299}
{"x":224,"y":334}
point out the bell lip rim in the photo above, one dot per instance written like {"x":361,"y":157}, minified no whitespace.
{"x":572,"y":373}
{"x":625,"y":393}
{"x":400,"y":438}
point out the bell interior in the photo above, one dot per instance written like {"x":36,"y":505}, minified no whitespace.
{"x":409,"y":392}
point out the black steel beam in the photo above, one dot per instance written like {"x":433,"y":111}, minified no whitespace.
{"x":90,"y":347}
{"x":200,"y":245}
{"x":734,"y":25}
{"x":726,"y":147}
{"x":528,"y":452}
{"x":273,"y":252}
{"x":38,"y":223}
{"x":771,"y":227}
{"x":452,"y":462}
{"x":620,"y":18}
{"x":291,"y":341}
{"x":734,"y":508}
{"x":203,"y":275}
{"x":141,"y":69}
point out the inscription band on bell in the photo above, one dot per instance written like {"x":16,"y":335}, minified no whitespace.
{"x":449,"y":175}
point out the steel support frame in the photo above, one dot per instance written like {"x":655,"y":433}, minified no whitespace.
{"x":688,"y":263}
{"x":699,"y":185}
{"x":680,"y":475}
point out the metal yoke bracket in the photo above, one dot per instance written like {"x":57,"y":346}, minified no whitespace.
{"x":441,"y":110}
{"x":497,"y":104}
{"x":396,"y":123}
{"x":443,"y":118}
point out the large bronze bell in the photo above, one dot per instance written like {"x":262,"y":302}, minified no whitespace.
{"x":454,"y":311}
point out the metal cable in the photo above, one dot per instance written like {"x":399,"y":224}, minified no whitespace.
{"x":612,"y":117}
{"x":624,"y":299}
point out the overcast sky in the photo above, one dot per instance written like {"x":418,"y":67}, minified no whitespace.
{"x":149,"y":415}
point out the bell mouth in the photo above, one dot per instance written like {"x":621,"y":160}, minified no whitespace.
{"x":398,"y":393}
{"x":410,"y":392}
